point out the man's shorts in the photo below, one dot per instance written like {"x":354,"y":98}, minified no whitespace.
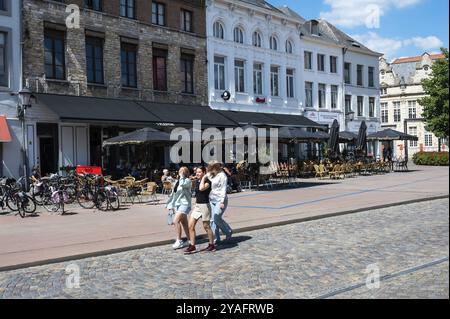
{"x":202,"y":211}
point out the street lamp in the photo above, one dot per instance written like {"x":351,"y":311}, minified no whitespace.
{"x":25,"y":96}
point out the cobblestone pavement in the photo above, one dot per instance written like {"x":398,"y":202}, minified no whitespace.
{"x":328,"y":258}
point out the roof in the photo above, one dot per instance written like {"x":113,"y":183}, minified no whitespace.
{"x":331,"y":34}
{"x":261,"y":4}
{"x":416,"y":59}
{"x":292,"y":14}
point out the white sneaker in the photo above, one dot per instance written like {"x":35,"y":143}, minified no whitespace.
{"x":178,"y":244}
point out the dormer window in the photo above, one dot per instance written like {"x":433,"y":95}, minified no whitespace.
{"x":426,"y":68}
{"x":315,"y":27}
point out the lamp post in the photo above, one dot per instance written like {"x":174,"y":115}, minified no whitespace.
{"x":24,"y":102}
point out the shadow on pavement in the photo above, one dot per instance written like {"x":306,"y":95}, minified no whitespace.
{"x":233,"y":242}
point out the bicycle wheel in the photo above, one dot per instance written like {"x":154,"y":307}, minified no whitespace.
{"x":12,"y":204}
{"x":86,"y":199}
{"x":102,"y":201}
{"x":28,"y":205}
{"x":71,"y":194}
{"x":114,"y":201}
{"x":50,"y":205}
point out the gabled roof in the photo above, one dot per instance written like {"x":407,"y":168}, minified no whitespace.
{"x":292,"y":14}
{"x":416,"y":59}
{"x":261,"y":4}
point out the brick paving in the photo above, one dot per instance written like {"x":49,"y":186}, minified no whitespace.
{"x":86,"y":232}
{"x":321,"y":258}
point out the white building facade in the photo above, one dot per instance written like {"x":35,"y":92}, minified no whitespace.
{"x":401,"y":90}
{"x":254,"y":53}
{"x":10,"y":83}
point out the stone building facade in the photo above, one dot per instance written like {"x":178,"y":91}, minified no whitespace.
{"x":127,"y":50}
{"x":401,"y":89}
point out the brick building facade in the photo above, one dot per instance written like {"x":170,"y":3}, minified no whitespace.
{"x":128,"y":50}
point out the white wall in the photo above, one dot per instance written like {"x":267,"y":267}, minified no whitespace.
{"x":11,"y":25}
{"x":249,"y":22}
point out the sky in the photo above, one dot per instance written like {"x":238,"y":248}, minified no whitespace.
{"x":397,"y":28}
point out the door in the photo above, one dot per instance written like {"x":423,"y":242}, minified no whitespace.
{"x":47,"y":155}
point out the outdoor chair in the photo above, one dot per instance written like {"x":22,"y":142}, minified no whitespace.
{"x":337,"y":172}
{"x":150,"y":190}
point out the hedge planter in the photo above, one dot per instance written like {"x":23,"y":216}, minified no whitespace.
{"x":431,"y":158}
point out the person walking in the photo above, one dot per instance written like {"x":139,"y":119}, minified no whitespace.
{"x":179,"y":204}
{"x":218,"y":199}
{"x":201,"y":210}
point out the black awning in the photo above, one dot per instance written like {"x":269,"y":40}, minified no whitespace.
{"x":179,"y":114}
{"x":269,"y":119}
{"x":91,"y":109}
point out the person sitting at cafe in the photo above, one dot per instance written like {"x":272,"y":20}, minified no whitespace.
{"x":166,"y":176}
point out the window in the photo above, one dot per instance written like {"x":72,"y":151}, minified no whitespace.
{"x":384,"y":113}
{"x":273,"y":43}
{"x":321,"y":62}
{"x":187,"y":73}
{"x":428,"y":139}
{"x":3,"y":5}
{"x":93,"y":4}
{"x":413,"y":132}
{"x":348,"y":104}
{"x":371,"y":107}
{"x":384,"y":91}
{"x":160,"y":70}
{"x":128,"y":65}
{"x":127,"y":9}
{"x":322,"y":95}
{"x":308,"y":60}
{"x":54,"y":55}
{"x":397,"y":112}
{"x":186,"y":21}
{"x":219,"y":73}
{"x":158,"y":13}
{"x":290,"y":83}
{"x":371,"y":76}
{"x":412,"y":109}
{"x":333,"y":64}
{"x":360,"y":106}
{"x":218,"y":30}
{"x":348,"y":73}
{"x":238,"y":35}
{"x":289,"y":47}
{"x":308,"y":94}
{"x":274,"y":81}
{"x":258,"y":78}
{"x":359,"y":75}
{"x":239,"y":76}
{"x":257,"y":40}
{"x":94,"y":60}
{"x":315,"y":27}
{"x":4,"y":73}
{"x":334,"y":96}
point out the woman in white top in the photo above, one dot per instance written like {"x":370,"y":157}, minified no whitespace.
{"x":218,"y":200}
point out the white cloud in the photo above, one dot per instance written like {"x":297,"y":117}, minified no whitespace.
{"x":425,"y":44}
{"x":354,"y":13}
{"x":391,"y":46}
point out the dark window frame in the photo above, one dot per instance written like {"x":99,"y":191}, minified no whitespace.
{"x":157,"y":16}
{"x":128,"y":5}
{"x":54,"y":36}
{"x":94,"y":43}
{"x":128,"y":49}
{"x":187,"y":27}
{"x":96,"y":5}
{"x":158,"y":56}
{"x":187,"y":61}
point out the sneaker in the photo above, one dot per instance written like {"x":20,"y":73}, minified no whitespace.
{"x":178,"y":244}
{"x":229,"y":236}
{"x":190,"y":250}
{"x":210,"y":248}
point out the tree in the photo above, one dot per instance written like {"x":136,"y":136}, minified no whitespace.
{"x":435,"y":104}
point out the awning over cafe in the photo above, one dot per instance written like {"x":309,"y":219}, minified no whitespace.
{"x":391,"y":135}
{"x":91,"y":109}
{"x":5,"y":135}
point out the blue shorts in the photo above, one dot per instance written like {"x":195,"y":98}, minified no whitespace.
{"x":183,"y":209}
